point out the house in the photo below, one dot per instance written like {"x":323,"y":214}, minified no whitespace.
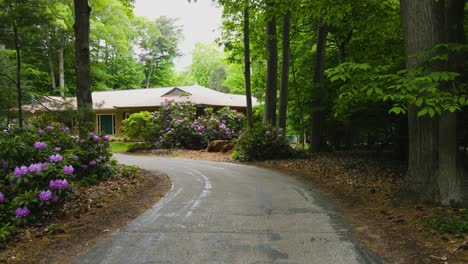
{"x":111,"y":107}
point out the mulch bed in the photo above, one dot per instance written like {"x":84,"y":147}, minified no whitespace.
{"x":90,"y":214}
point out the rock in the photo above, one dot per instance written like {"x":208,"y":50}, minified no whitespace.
{"x":220,"y":146}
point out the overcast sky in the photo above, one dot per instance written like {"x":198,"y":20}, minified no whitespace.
{"x":200,"y":21}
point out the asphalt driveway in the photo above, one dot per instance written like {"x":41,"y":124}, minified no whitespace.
{"x":230,"y":213}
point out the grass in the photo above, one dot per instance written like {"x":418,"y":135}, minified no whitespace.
{"x":119,"y":147}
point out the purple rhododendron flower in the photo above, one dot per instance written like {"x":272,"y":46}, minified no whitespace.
{"x":97,"y":139}
{"x":4,"y":164}
{"x":22,"y":212}
{"x":49,"y":128}
{"x":106,"y":138}
{"x":92,"y":163}
{"x":2,"y":197}
{"x":5,"y":132}
{"x":40,"y":131}
{"x":20,"y":171}
{"x":267,"y":133}
{"x":39,"y":145}
{"x":68,"y":169}
{"x":280,"y":135}
{"x":84,"y":166}
{"x":57,"y":149}
{"x":45,"y":196}
{"x":58,"y":184}
{"x":36,"y":167}
{"x":55,"y":158}
{"x":91,"y":134}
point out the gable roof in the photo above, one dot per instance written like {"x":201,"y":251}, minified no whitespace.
{"x":153,"y":97}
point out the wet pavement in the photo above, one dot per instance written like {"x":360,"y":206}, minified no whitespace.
{"x":230,"y":213}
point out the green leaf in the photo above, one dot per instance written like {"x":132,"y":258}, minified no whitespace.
{"x":422,"y":112}
{"x":419,"y":102}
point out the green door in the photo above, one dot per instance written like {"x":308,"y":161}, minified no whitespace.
{"x":107,"y":124}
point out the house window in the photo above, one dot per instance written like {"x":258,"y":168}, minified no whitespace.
{"x":125,"y":116}
{"x":106,"y":124}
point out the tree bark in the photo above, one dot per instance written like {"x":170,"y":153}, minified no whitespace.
{"x":317,"y":141}
{"x":82,"y":60}
{"x":272,"y":69}
{"x":50,"y":59}
{"x":18,"y":67}
{"x":148,"y":77}
{"x":248,"y":87}
{"x":421,"y":31}
{"x":283,"y":102}
{"x":450,"y":170}
{"x":61,"y":64}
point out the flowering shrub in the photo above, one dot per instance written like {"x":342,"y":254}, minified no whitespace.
{"x":38,"y":166}
{"x":175,"y":128}
{"x":225,"y":124}
{"x":175,"y":125}
{"x":262,"y":143}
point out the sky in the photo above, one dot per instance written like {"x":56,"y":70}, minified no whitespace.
{"x":200,"y":22}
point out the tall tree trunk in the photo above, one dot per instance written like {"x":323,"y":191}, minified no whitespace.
{"x":61,"y":64}
{"x":450,"y":168}
{"x":272,"y":68}
{"x":82,"y":61}
{"x":50,"y":59}
{"x":421,"y":32}
{"x":283,"y":102}
{"x":317,"y":141}
{"x":18,"y":66}
{"x":248,"y":87}
{"x":148,"y":77}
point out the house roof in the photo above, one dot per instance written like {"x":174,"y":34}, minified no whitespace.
{"x":150,"y":97}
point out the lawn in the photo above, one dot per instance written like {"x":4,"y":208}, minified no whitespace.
{"x":119,"y":147}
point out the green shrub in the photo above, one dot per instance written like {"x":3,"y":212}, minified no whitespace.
{"x":128,"y":171}
{"x":139,"y":146}
{"x":262,"y":143}
{"x":139,"y":126}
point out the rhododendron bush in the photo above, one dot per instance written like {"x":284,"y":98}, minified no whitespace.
{"x":176,"y":125}
{"x":38,"y":166}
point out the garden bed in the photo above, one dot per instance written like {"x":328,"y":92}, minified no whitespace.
{"x":90,"y":214}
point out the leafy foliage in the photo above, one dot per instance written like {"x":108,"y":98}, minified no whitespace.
{"x":453,"y":223}
{"x":38,"y":164}
{"x":262,"y":143}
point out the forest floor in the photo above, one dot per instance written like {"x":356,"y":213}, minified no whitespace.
{"x":90,"y":214}
{"x":365,"y":187}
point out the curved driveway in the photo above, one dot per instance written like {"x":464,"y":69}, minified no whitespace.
{"x":230,"y":213}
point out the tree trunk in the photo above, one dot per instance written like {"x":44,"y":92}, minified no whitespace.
{"x":421,"y":32}
{"x":342,"y":52}
{"x":82,"y":61}
{"x":248,"y":87}
{"x":50,"y":59}
{"x":317,"y":141}
{"x":272,"y":69}
{"x":148,"y":77}
{"x":450,"y":168}
{"x":18,"y":67}
{"x":61,"y":65}
{"x":283,"y":103}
